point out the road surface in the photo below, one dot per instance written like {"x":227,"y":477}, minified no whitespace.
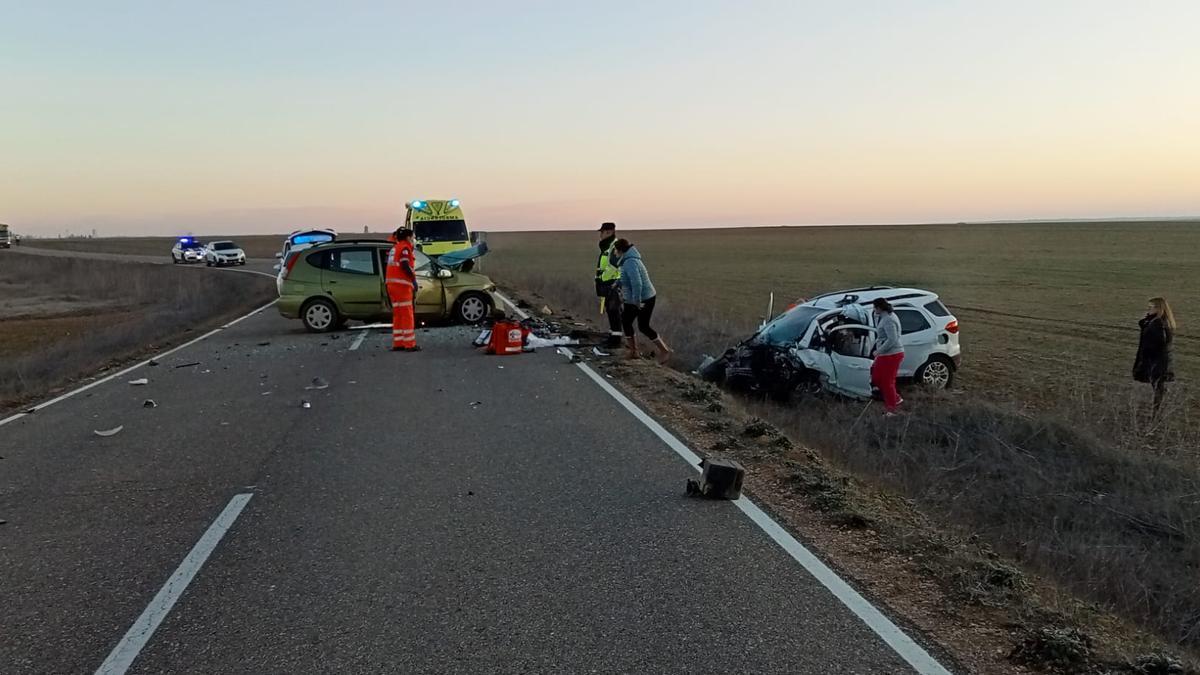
{"x":440,"y":512}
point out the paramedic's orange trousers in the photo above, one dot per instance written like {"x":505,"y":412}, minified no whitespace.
{"x":404,"y":327}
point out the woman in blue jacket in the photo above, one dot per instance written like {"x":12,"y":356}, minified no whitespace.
{"x":639,"y":301}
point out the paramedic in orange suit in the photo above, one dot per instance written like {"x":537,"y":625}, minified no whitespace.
{"x":401,"y":282}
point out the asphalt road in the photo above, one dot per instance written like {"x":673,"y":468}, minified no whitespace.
{"x":440,"y":512}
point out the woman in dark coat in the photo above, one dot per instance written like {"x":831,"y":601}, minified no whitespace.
{"x":1153,"y":362}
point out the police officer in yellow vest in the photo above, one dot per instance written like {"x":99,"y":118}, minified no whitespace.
{"x":607,"y":288}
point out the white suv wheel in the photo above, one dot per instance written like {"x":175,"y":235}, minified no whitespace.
{"x":936,"y":374}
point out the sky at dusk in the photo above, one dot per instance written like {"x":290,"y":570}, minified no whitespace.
{"x":163,"y":117}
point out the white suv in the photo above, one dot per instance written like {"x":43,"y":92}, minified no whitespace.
{"x":827,"y":343}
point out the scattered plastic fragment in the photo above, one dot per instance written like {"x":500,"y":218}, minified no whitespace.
{"x":188,"y":365}
{"x":138,"y":383}
{"x":597,"y":352}
{"x":265,"y":393}
{"x":571,"y":356}
{"x":109,"y":432}
{"x":547,"y":311}
{"x":318,"y":384}
{"x":536,"y":342}
{"x":264,"y":344}
{"x":149,"y":403}
{"x":305,"y":404}
{"x":152,"y":363}
{"x":476,"y":404}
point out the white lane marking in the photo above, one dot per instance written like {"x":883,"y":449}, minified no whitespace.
{"x":890,"y":633}
{"x":138,"y":635}
{"x":358,"y":340}
{"x":520,"y":312}
{"x":132,"y":368}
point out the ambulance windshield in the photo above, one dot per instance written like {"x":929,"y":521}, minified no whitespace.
{"x":440,"y":230}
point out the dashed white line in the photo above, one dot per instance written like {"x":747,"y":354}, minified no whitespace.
{"x":138,"y":635}
{"x":132,"y":368}
{"x":889,"y":632}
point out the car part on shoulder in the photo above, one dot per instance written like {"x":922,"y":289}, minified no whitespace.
{"x":719,"y":479}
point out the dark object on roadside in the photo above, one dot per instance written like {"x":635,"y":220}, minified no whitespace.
{"x":149,"y":403}
{"x":263,"y":344}
{"x":188,"y":365}
{"x":152,"y":363}
{"x":720,"y":479}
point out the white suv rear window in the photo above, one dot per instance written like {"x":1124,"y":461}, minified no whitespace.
{"x":936,"y":308}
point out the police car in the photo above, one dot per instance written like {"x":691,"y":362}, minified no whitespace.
{"x":188,"y":250}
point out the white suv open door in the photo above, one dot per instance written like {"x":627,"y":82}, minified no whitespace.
{"x":850,"y":356}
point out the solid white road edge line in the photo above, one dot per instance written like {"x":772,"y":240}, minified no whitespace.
{"x":520,"y":312}
{"x":138,"y":635}
{"x":132,"y":368}
{"x":890,"y":633}
{"x":358,"y":340}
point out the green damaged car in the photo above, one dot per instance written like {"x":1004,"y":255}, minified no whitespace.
{"x":330,"y":284}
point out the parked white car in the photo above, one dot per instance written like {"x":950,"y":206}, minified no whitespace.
{"x":188,"y":250}
{"x":828,"y":343}
{"x":220,"y":253}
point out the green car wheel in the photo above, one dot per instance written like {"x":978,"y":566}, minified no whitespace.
{"x":320,"y":316}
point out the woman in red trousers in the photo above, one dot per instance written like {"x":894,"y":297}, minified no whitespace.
{"x":888,"y":355}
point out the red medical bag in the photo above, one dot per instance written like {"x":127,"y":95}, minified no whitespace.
{"x":507,"y":338}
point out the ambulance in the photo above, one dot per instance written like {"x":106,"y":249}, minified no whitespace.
{"x":438,"y":226}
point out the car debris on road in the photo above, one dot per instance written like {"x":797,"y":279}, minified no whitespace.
{"x":105,"y":433}
{"x":138,"y":383}
{"x":720,"y":479}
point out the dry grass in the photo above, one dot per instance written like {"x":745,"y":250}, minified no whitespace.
{"x":1046,"y":452}
{"x":144,"y":306}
